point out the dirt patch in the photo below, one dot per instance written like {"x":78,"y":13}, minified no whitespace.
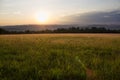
{"x":90,"y":74}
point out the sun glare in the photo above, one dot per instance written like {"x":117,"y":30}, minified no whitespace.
{"x":42,"y":17}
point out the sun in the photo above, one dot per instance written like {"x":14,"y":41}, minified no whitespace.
{"x":42,"y":17}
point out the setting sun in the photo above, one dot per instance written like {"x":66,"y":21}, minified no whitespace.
{"x":42,"y":17}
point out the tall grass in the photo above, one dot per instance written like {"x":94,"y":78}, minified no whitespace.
{"x":60,"y":57}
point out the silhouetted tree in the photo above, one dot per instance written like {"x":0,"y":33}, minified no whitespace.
{"x":2,"y":31}
{"x":64,"y":30}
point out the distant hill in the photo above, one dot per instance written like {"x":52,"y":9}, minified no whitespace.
{"x":53,"y":27}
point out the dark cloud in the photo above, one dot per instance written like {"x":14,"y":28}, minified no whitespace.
{"x":112,"y":17}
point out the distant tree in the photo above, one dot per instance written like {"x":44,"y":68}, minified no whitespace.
{"x":2,"y":31}
{"x":64,"y":30}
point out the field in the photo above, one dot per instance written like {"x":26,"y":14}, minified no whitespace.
{"x":60,"y":57}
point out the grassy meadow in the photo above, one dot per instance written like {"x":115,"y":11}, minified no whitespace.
{"x":60,"y":57}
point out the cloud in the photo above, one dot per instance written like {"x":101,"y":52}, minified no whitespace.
{"x":7,"y":12}
{"x":111,"y":17}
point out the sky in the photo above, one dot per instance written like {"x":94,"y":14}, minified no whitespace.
{"x":16,"y":12}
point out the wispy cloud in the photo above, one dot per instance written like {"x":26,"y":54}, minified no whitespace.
{"x":7,"y":12}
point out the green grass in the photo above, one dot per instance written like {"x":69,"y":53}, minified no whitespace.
{"x":60,"y":57}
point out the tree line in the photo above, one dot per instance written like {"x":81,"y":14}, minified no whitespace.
{"x":64,"y":30}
